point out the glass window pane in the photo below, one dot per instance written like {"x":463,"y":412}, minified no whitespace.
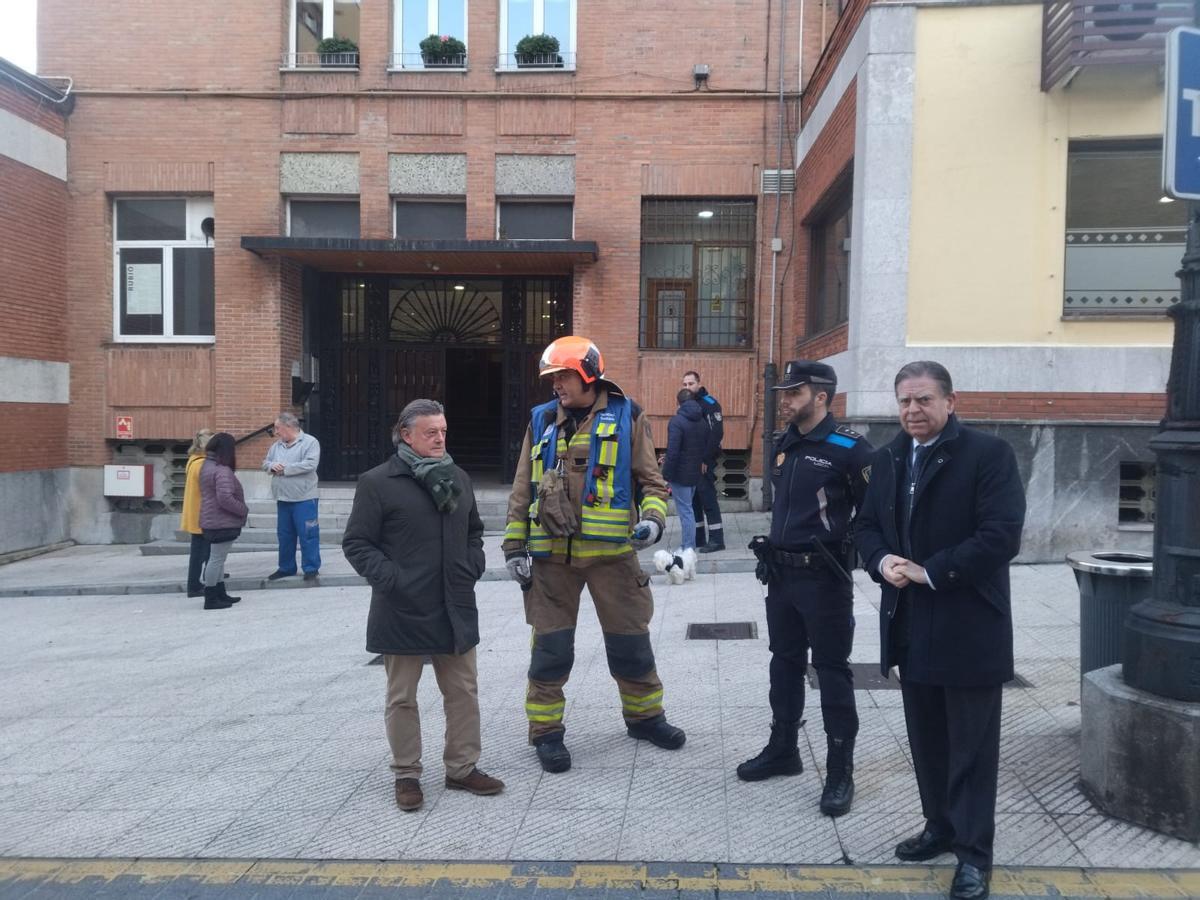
{"x":141,"y":291}
{"x":420,"y":220}
{"x":151,"y":220}
{"x":536,"y":221}
{"x":1119,"y":189}
{"x":415,"y":26}
{"x":345,"y":19}
{"x":324,"y":218}
{"x":558,"y":22}
{"x":309,"y":25}
{"x":520,"y":21}
{"x":194,"y":294}
{"x":452,"y":18}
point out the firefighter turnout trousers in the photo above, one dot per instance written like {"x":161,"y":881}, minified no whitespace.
{"x":624,"y":606}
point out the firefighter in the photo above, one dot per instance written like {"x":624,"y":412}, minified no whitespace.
{"x":575,"y":520}
{"x":819,"y":470}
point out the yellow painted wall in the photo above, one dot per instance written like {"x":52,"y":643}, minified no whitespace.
{"x":990,"y":175}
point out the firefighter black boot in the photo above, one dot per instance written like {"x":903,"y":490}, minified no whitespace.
{"x":212,"y":599}
{"x":779,"y":757}
{"x":839,"y":777}
{"x":552,"y":753}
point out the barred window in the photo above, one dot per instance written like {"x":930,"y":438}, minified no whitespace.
{"x":697,"y":277}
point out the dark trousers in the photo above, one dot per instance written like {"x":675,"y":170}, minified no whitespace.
{"x":197,"y":557}
{"x":954,"y":733}
{"x":705,"y":506}
{"x":807,"y":608}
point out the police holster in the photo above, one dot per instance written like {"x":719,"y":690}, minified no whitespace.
{"x":760,"y":546}
{"x":556,"y":513}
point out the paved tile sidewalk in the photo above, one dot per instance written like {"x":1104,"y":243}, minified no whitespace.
{"x":144,"y":726}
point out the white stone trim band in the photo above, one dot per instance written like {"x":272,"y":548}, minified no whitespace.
{"x":34,"y":381}
{"x":32,"y":146}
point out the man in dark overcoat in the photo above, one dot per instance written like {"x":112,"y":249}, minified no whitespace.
{"x":941,"y":521}
{"x":415,"y":534}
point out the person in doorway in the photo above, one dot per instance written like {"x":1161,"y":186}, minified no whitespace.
{"x":941,"y":522}
{"x":415,"y":534}
{"x":292,"y":463}
{"x":223,"y":512}
{"x":819,"y":472}
{"x":574,"y":521}
{"x":687,"y":443}
{"x":189,"y":518}
{"x":710,"y":536}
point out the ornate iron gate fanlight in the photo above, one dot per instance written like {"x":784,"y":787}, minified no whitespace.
{"x":445,"y":312}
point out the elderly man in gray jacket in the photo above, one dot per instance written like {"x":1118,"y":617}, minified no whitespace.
{"x":292,"y":463}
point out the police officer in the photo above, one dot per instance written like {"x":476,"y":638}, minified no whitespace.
{"x":704,"y":502}
{"x":819,"y":470}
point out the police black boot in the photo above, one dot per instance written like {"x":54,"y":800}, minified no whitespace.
{"x":552,"y":753}
{"x":225,"y":594}
{"x":657,"y":731}
{"x":839,"y":777}
{"x":212,"y":599}
{"x":781,"y":756}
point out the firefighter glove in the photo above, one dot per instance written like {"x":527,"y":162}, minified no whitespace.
{"x":519,"y":569}
{"x":645,"y":533}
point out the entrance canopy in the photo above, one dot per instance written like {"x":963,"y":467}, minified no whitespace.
{"x":444,"y":257}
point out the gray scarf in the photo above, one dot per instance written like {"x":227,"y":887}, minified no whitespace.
{"x":436,"y":475}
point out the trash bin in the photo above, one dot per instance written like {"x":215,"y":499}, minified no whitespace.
{"x":1110,"y":582}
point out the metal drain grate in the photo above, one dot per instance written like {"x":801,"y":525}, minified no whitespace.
{"x":722,"y":631}
{"x":868,"y":678}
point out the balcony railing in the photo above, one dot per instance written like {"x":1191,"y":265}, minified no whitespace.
{"x":1080,"y":33}
{"x":320,"y":60}
{"x":420,"y":62}
{"x":534,"y":61}
{"x":1122,"y":272}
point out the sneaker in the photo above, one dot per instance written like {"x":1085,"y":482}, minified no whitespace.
{"x":478,"y":782}
{"x":658,"y":732}
{"x":553,"y":754}
{"x":279,"y":573}
{"x":408,"y":794}
{"x":310,"y":576}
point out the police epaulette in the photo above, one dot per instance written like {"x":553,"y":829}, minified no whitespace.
{"x":708,"y":398}
{"x":848,"y":432}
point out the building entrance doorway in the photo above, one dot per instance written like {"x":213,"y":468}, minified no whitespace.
{"x":471,"y":343}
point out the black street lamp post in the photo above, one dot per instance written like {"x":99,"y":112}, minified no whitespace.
{"x":1162,"y":634}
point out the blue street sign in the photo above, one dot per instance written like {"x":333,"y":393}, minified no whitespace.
{"x":1181,"y":139}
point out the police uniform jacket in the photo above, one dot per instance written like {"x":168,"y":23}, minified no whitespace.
{"x":711,"y":408}
{"x":819,"y":479}
{"x":968,"y":508}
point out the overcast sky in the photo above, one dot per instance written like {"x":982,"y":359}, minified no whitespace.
{"x":18,"y":33}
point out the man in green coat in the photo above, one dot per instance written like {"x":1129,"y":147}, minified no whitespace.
{"x":416,"y":536}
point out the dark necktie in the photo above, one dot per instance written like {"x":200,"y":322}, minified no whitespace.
{"x":916,"y":466}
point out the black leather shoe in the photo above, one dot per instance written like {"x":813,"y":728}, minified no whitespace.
{"x":553,"y":754}
{"x":925,"y":845}
{"x":711,"y":548}
{"x":970,"y":882}
{"x":658,"y":732}
{"x":310,"y":576}
{"x":277,"y":574}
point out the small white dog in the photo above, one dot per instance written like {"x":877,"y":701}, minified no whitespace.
{"x":678,"y":567}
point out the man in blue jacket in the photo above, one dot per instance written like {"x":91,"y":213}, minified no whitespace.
{"x":941,"y":521}
{"x":687,"y":441}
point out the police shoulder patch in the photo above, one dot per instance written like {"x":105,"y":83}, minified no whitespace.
{"x":717,"y":416}
{"x":848,"y":432}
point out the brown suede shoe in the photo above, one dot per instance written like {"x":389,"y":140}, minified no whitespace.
{"x":408,"y":794}
{"x":478,"y":782}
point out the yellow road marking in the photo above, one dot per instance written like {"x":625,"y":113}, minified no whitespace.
{"x":900,"y":880}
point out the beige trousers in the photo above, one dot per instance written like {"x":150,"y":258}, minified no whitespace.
{"x":456,"y":677}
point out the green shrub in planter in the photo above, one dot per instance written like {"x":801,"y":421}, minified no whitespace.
{"x":335,"y":51}
{"x":443,"y":50}
{"x":538,"y":51}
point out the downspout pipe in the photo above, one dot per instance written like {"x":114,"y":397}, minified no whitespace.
{"x":771,"y":373}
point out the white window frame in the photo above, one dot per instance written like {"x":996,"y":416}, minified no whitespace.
{"x":326,"y":28}
{"x":319,"y":198}
{"x":561,"y":201}
{"x":539,"y":25}
{"x":197,"y":210}
{"x":431,"y":24}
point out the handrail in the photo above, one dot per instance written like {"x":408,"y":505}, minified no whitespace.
{"x":254,"y":434}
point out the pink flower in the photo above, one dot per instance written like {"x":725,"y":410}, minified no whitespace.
{"x":445,"y":38}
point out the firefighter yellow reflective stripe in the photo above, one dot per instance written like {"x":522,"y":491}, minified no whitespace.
{"x":545,"y":712}
{"x":635,"y":704}
{"x":607,"y":515}
{"x":655,"y":505}
{"x":516,"y":531}
{"x":581,"y":549}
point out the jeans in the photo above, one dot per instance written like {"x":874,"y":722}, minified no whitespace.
{"x":298,"y":522}
{"x":684,"y":494}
